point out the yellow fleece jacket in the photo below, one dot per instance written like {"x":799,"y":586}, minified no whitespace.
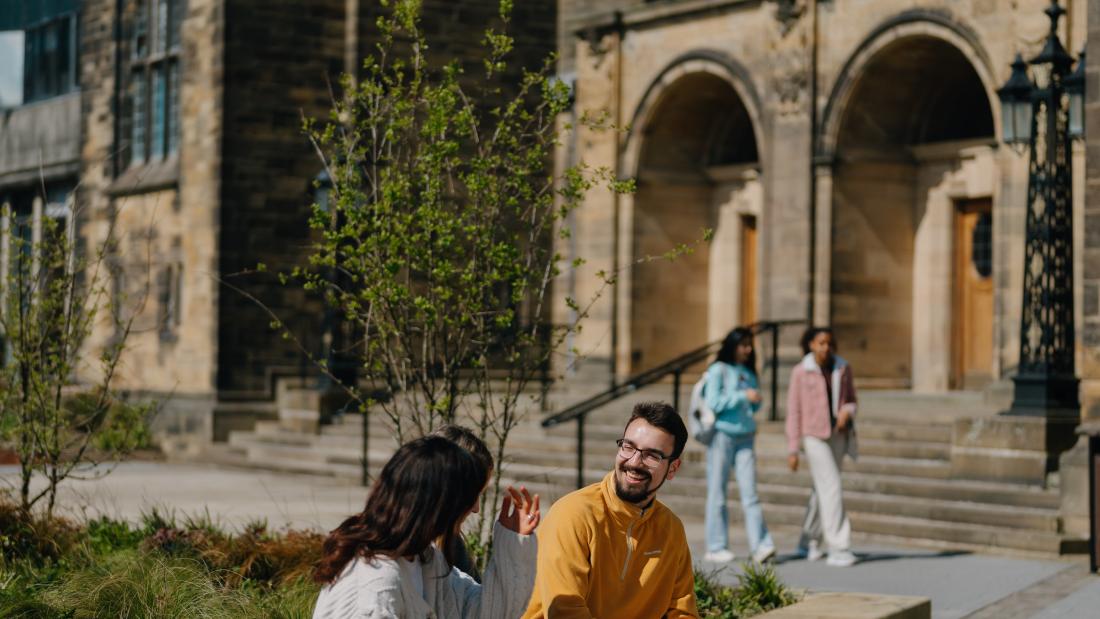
{"x":599,"y":556}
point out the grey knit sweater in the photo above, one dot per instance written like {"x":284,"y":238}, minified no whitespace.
{"x":387,"y":589}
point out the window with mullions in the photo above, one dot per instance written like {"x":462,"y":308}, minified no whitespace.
{"x":154,"y":87}
{"x":50,"y":58}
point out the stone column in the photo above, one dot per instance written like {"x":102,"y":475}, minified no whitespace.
{"x":1089,"y":369}
{"x":823,"y":249}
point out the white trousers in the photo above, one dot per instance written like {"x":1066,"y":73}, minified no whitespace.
{"x":826,"y":519}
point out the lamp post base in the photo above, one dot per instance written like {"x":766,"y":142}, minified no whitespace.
{"x":1041,"y":395}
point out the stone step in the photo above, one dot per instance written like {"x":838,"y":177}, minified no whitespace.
{"x":979,"y":492}
{"x":772,"y":494}
{"x":970,"y":535}
{"x":561,"y":454}
{"x":938,"y":520}
{"x":909,"y":528}
{"x":783,"y":488}
{"x":765,"y":444}
{"x":557,"y":451}
{"x":900,"y":487}
{"x":223,"y":454}
{"x":924,"y":407}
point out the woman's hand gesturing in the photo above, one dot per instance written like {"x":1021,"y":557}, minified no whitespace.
{"x":519,"y":512}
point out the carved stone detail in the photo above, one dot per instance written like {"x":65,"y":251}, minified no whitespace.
{"x":788,"y":12}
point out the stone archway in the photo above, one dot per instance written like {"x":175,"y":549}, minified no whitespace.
{"x":696,"y":160}
{"x":912,"y":135}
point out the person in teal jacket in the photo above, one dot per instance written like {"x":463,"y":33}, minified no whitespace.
{"x":732,"y":391}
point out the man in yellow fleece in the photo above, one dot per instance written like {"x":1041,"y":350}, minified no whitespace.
{"x":612,"y":549}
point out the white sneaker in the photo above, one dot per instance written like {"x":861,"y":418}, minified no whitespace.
{"x":813,"y":552}
{"x":719,"y":556}
{"x":841,"y":558}
{"x":764,"y":553}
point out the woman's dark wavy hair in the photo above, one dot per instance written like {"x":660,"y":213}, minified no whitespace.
{"x":810,"y":333}
{"x":728,"y":352}
{"x":423,"y":491}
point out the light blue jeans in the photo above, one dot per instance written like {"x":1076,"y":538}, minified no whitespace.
{"x":724,"y":452}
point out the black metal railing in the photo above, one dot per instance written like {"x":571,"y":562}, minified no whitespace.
{"x":676,"y":368}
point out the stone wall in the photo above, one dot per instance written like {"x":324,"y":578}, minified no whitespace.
{"x":767,"y":57}
{"x":97,"y":130}
{"x":41,"y":139}
{"x":282,"y":57}
{"x":162,"y":215}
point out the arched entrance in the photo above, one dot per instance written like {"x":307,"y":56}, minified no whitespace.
{"x":697,"y":168}
{"x":911,"y":290}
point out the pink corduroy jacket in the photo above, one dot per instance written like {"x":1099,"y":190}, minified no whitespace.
{"x":807,"y":407}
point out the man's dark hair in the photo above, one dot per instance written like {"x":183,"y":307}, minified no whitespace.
{"x":466,"y":439}
{"x":663,"y":416}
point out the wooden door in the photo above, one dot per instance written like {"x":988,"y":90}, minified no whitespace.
{"x":747,"y":314}
{"x":973,"y":295}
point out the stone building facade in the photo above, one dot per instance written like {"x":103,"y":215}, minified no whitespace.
{"x":846,"y":155}
{"x":184,"y":136}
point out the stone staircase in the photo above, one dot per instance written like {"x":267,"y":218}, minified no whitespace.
{"x":900,"y":488}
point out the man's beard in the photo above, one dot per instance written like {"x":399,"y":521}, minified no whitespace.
{"x":634,"y":494}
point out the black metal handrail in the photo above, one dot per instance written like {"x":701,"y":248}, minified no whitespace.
{"x":676,"y":367}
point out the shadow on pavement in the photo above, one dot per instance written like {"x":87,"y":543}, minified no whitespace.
{"x":871,"y":557}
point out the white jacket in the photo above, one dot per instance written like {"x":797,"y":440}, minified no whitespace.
{"x":384,"y":588}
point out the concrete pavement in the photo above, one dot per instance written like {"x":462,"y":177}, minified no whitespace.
{"x":960,"y":584}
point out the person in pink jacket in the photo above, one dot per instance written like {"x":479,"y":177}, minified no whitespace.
{"x":821,"y":408}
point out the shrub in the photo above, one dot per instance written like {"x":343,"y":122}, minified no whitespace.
{"x":759,"y":590}
{"x":104,"y":536}
{"x":37,"y":539}
{"x":254,"y":555}
{"x":714,"y":600}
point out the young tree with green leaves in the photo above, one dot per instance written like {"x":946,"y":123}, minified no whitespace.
{"x":437,"y":238}
{"x":58,"y":410}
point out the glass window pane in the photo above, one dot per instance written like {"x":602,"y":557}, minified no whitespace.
{"x":30,"y":64}
{"x":75,"y":50}
{"x":138,"y":118}
{"x":173,"y":107}
{"x":139,"y":40}
{"x":64,"y":57}
{"x":982,"y":245}
{"x":159,"y":116}
{"x":1008,"y":120}
{"x":49,"y":68}
{"x":1023,"y":122}
{"x":175,"y":24}
{"x":162,"y":26}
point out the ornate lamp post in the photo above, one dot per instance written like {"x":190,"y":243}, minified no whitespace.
{"x":322,"y":188}
{"x":1044,"y":114}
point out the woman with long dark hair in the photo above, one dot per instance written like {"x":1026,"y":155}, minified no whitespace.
{"x":821,"y":409}
{"x":732,"y":391}
{"x":382,"y":562}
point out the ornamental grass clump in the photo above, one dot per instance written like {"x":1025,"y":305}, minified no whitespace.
{"x":255,"y":555}
{"x":55,"y":567}
{"x":759,"y":590}
{"x":135,"y":585}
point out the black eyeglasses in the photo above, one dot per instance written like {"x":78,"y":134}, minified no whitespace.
{"x":650,"y":457}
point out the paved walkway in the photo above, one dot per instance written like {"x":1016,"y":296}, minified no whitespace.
{"x":960,"y":584}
